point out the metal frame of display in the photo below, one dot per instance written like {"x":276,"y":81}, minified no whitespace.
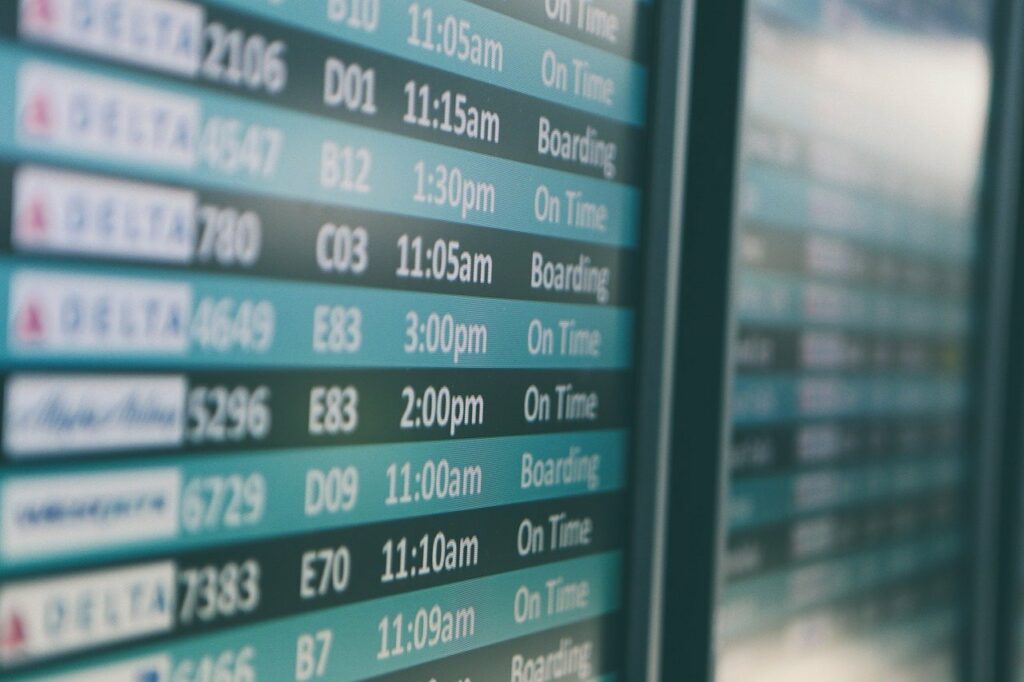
{"x":999,"y":507}
{"x":701,"y":391}
{"x":657,"y":330}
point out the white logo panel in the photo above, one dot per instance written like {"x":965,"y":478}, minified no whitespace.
{"x":163,"y":34}
{"x":82,"y":214}
{"x":52,"y":515}
{"x":56,"y":312}
{"x":44,"y":618}
{"x":77,"y":111}
{"x":74,"y":414}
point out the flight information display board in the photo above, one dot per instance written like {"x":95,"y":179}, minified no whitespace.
{"x":862,"y":142}
{"x":318,"y":337}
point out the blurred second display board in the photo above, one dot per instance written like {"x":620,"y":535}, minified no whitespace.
{"x":862,"y":140}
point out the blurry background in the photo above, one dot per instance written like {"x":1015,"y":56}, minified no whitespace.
{"x":856,"y":254}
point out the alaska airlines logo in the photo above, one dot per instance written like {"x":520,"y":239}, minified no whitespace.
{"x":43,"y":618}
{"x":67,"y":313}
{"x":69,"y":414}
{"x":54,"y":515}
{"x":163,"y":34}
{"x":75,"y":213}
{"x":81,"y":112}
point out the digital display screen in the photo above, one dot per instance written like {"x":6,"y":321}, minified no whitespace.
{"x":318,"y":340}
{"x":856,"y":245}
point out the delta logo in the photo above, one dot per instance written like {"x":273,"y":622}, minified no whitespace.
{"x":67,"y":313}
{"x":38,"y":15}
{"x":86,"y":113}
{"x":163,"y":34}
{"x":33,"y":220}
{"x":29,"y":322}
{"x":38,"y":117}
{"x":29,"y":325}
{"x":89,"y":214}
{"x":51,"y":616}
{"x":13,"y":636}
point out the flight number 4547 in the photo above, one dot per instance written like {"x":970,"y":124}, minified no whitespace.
{"x":229,"y":146}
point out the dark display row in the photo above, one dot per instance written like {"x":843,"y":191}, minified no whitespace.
{"x":57,"y":415}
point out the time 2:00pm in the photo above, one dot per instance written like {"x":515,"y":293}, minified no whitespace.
{"x":440,"y":408}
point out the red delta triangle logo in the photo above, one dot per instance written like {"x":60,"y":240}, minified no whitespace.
{"x":29,"y":323}
{"x":37,"y":119}
{"x":33,"y":223}
{"x":38,"y":14}
{"x":13,"y":637}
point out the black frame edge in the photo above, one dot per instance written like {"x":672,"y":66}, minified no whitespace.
{"x":702,"y":374}
{"x":668,"y":104}
{"x":998,"y":509}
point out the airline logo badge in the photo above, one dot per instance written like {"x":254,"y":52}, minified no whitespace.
{"x":44,"y":618}
{"x":68,"y":414}
{"x":83,"y":214}
{"x":53,"y":312}
{"x":47,"y":516}
{"x":80,"y":112}
{"x":161,"y":34}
